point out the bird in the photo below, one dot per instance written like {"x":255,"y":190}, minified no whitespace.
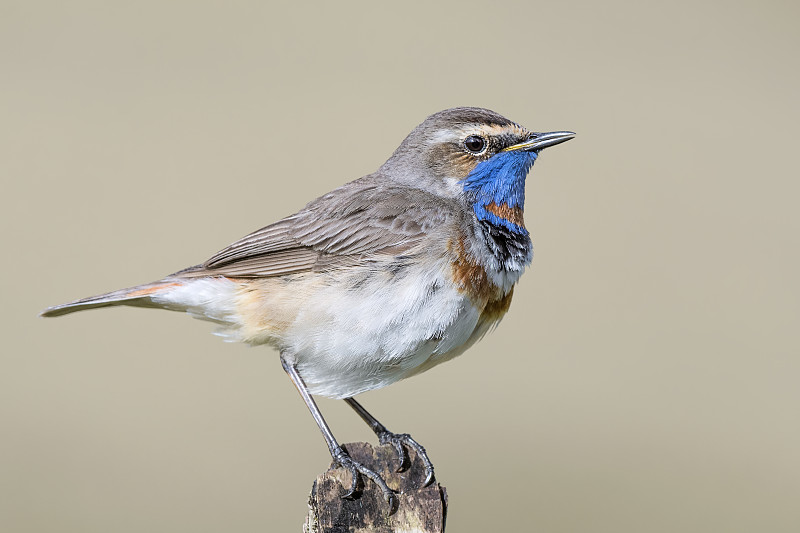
{"x":378,"y":280}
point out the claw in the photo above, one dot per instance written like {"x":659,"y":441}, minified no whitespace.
{"x":429,"y":478}
{"x":344,"y":460}
{"x":397,"y":442}
{"x":400,"y":441}
{"x":351,"y":494}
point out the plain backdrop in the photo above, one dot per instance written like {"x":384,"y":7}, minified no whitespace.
{"x":645,"y":379}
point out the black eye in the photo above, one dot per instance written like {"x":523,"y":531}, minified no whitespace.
{"x":475,"y":144}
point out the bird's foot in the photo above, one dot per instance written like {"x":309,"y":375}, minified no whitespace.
{"x":400,"y":441}
{"x":341,"y":457}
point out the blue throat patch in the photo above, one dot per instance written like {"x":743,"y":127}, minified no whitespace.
{"x":499,"y":180}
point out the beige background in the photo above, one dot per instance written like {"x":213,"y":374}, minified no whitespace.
{"x":646,"y":378}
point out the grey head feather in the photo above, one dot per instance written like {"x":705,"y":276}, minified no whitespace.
{"x":411,"y":163}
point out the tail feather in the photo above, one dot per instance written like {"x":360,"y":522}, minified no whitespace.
{"x":139,"y":296}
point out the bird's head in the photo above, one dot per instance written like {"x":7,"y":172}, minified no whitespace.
{"x":472,"y":153}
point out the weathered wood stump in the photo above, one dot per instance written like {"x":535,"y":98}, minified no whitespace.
{"x":419,"y":509}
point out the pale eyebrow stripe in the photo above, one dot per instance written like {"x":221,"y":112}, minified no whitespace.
{"x":454,"y":135}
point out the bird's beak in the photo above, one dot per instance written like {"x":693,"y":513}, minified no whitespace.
{"x":540,"y":141}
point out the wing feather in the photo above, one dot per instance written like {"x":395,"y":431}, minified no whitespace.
{"x":355,"y":223}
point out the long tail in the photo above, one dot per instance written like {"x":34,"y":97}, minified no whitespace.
{"x":139,"y":296}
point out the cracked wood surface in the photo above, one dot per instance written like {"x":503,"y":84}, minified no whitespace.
{"x":419,"y":509}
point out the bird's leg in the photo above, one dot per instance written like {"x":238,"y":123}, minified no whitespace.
{"x":397,"y":440}
{"x":339,"y":455}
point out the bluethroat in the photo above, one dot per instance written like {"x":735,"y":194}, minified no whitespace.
{"x":379,"y":280}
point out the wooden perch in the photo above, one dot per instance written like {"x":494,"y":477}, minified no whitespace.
{"x":419,"y":510}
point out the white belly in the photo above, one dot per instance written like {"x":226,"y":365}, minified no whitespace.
{"x":349,"y":331}
{"x":346,"y":341}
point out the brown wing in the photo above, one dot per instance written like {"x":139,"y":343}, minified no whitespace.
{"x":351,"y":224}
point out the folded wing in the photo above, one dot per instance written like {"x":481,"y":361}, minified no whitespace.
{"x":352,"y":224}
